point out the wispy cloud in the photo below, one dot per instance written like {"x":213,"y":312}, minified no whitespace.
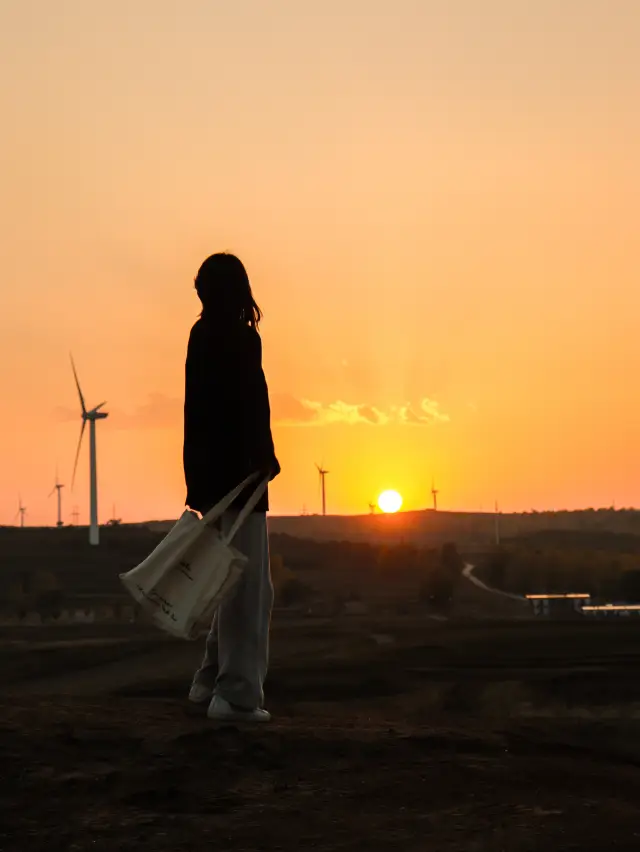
{"x":165,"y":412}
{"x":65,"y":415}
{"x":157,"y":412}
{"x":288,"y":410}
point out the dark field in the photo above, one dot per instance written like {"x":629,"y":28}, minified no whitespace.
{"x":388,"y":734}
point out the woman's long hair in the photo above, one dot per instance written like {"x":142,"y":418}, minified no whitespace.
{"x":223,"y":287}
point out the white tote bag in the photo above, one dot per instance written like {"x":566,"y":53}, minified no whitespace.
{"x":186,"y":578}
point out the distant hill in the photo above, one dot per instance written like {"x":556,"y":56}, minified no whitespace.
{"x":468,"y":529}
{"x":430,"y":528}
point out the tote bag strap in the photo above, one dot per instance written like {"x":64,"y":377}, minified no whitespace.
{"x":246,"y":510}
{"x":222,"y":505}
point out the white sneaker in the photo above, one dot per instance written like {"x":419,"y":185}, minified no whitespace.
{"x":199,"y":694}
{"x":221,"y":711}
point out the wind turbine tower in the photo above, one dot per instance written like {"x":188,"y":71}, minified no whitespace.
{"x":90,"y":416}
{"x":434,"y":494}
{"x":58,"y":487}
{"x":322,"y":472}
{"x":22,"y":510}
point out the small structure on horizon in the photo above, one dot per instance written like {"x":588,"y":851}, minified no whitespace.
{"x":22,"y":511}
{"x":322,"y":473}
{"x":58,"y":487}
{"x":548,"y":605}
{"x":619,"y":609}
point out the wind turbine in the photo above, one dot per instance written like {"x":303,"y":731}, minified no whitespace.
{"x":90,"y":416}
{"x":58,"y":486}
{"x":114,"y":521}
{"x":21,"y":511}
{"x":372,"y":508}
{"x":322,"y":472}
{"x":434,"y":494}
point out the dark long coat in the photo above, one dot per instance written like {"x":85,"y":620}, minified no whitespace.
{"x":227,"y":418}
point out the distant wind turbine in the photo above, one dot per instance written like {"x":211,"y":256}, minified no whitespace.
{"x":434,"y":494}
{"x":58,"y":487}
{"x":372,"y":508}
{"x":322,"y":472}
{"x":89,"y":416}
{"x":22,"y":510}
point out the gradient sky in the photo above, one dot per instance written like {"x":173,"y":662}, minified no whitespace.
{"x":438,"y":204}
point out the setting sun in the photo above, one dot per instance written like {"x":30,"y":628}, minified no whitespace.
{"x":389,"y":501}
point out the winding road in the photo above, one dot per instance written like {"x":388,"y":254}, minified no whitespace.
{"x":467,"y":572}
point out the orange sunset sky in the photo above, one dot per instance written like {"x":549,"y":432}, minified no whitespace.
{"x":438,"y":204}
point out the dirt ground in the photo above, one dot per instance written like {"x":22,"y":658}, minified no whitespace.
{"x":396,"y":735}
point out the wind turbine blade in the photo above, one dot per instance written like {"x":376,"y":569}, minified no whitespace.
{"x":75,"y":375}
{"x":52,"y":491}
{"x":84,"y":423}
{"x":98,"y":407}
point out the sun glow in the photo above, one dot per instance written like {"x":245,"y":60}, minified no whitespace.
{"x":389,"y":502}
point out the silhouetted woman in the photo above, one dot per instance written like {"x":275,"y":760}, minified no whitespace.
{"x":227,"y":436}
